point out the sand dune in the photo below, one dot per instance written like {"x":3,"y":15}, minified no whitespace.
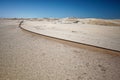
{"x":93,"y":21}
{"x":71,"y":29}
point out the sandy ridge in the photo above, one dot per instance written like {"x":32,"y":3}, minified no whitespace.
{"x":67,"y":39}
{"x":78,"y":44}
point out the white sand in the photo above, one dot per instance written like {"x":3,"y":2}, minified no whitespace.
{"x":27,"y":56}
{"x":97,"y":35}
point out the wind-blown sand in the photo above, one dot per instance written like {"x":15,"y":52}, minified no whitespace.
{"x":28,"y":56}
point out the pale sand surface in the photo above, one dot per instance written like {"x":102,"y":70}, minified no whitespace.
{"x":97,"y":35}
{"x":27,"y":56}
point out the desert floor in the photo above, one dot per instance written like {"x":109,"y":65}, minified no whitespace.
{"x":28,"y":56}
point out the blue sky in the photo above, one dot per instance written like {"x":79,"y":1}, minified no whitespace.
{"x":60,"y":8}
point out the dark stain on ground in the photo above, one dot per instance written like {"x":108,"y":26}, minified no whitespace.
{"x":102,"y":68}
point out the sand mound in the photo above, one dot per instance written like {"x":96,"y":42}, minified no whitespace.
{"x":96,"y":35}
{"x":87,"y":21}
{"x":103,"y":22}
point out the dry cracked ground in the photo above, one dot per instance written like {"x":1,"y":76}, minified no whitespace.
{"x":28,"y":56}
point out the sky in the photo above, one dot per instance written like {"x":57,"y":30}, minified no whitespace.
{"x":109,"y":9}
